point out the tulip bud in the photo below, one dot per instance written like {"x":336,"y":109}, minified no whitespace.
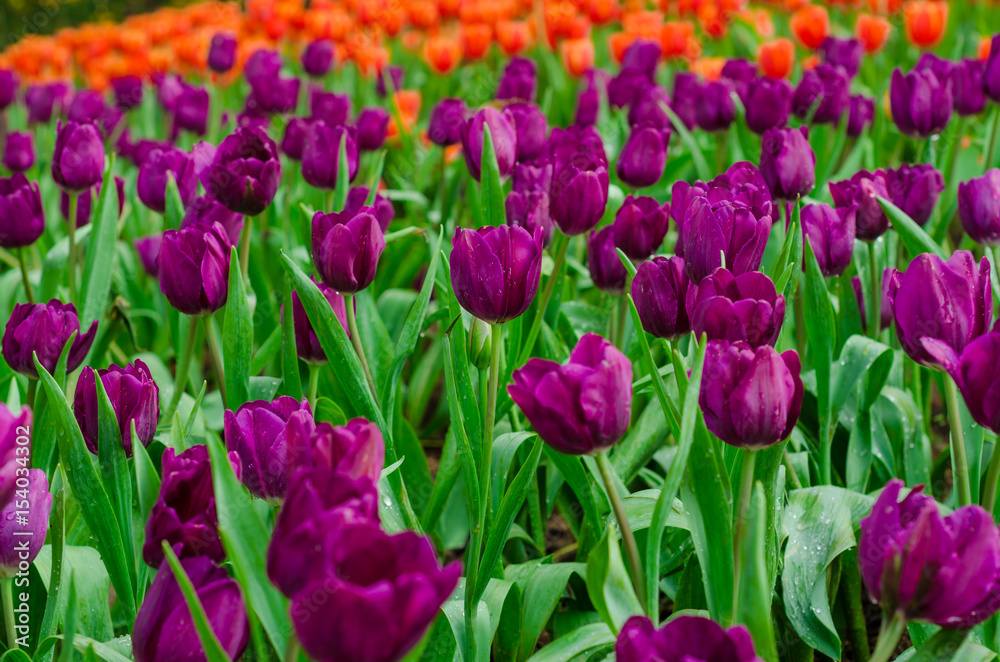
{"x":504,"y":137}
{"x":644,"y":156}
{"x":640,"y":226}
{"x":15,"y":447}
{"x":530,"y":210}
{"x":134,"y":397}
{"x":714,"y":108}
{"x":531,"y":128}
{"x":78,"y":160}
{"x":222,"y":52}
{"x":659,"y":290}
{"x":22,"y":217}
{"x":683,"y":638}
{"x":968,"y":87}
{"x":44,"y":329}
{"x":480,"y":344}
{"x":272,"y":96}
{"x":788,"y":163}
{"x":684,"y":99}
{"x":495,"y":271}
{"x":863,"y":190}
{"x":625,"y":88}
{"x":151,"y":184}
{"x":824,"y":92}
{"x":831,"y":234}
{"x":979,"y":207}
{"x":294,"y":140}
{"x":128,"y":91}
{"x":583,"y":406}
{"x":861,"y":114}
{"x":447,"y":119}
{"x":164,"y":629}
{"x":8,"y":88}
{"x":519,"y":81}
{"x":346,"y":247}
{"x":642,"y":55}
{"x":588,"y":104}
{"x":844,"y":53}
{"x":371,"y":125}
{"x":750,"y":397}
{"x":320,"y":156}
{"x":191,"y":111}
{"x":740,"y":74}
{"x":606,"y":268}
{"x":736,"y":308}
{"x":148,"y":250}
{"x":915,"y":189}
{"x":330,"y":108}
{"x":579,"y":195}
{"x":357,"y":198}
{"x":768,"y":104}
{"x":921,"y":103}
{"x":356,"y":449}
{"x":307,"y":344}
{"x":23,"y":523}
{"x":205,"y":212}
{"x":196,"y":261}
{"x":317,"y":58}
{"x":19,"y":152}
{"x":43,"y":100}
{"x":245,"y":172}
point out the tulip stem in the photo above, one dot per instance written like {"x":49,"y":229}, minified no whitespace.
{"x":183,"y":364}
{"x":991,"y":155}
{"x":71,"y":259}
{"x":313,"y":384}
{"x":992,"y":477}
{"x":543,"y":303}
{"x":244,"y":249}
{"x":24,"y":276}
{"x":888,"y":639}
{"x":631,"y":549}
{"x":7,"y":589}
{"x":352,"y":327}
{"x":32,"y":392}
{"x":960,"y":466}
{"x":875,"y":287}
{"x":746,"y":491}
{"x":213,"y":350}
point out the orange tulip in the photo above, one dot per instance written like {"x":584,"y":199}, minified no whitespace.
{"x":449,"y":7}
{"x":602,"y":11}
{"x":885,"y":6}
{"x":872,"y":31}
{"x":925,"y":22}
{"x":810,"y":62}
{"x":645,"y":24}
{"x":407,"y":103}
{"x":709,"y":68}
{"x":618,"y":43}
{"x":578,"y":56}
{"x":776,"y":58}
{"x":760,"y":21}
{"x":712,"y":20}
{"x":424,"y":14}
{"x":371,"y":59}
{"x":984,"y":48}
{"x":442,"y":54}
{"x":513,"y":36}
{"x":810,"y":25}
{"x":476,"y":40}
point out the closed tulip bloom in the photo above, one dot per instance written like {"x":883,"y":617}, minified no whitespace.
{"x":294,"y":140}
{"x":263,"y":63}
{"x":769,"y":103}
{"x":530,"y":210}
{"x":740,"y":74}
{"x":991,"y":74}
{"x":392,"y":74}
{"x":22,"y":538}
{"x":649,"y":108}
{"x":275,"y":95}
{"x":447,"y":119}
{"x":151,"y":184}
{"x":788,"y":163}
{"x":683,"y":639}
{"x":642,"y":55}
{"x":531,"y":128}
{"x":86,"y":106}
{"x":831,"y":234}
{"x":684,"y":99}
{"x":495,"y":271}
{"x":317,"y":58}
{"x":579,"y":195}
{"x":606,"y":268}
{"x":640,"y":226}
{"x":824,"y":92}
{"x":976,"y":374}
{"x":860,"y":115}
{"x":329,"y":107}
{"x":184,"y":512}
{"x":714,"y":108}
{"x":321,"y":505}
{"x":245,"y":172}
{"x":644,"y":156}
{"x":967,"y":84}
{"x":22,"y":216}
{"x":890,"y":283}
{"x":78,"y":160}
{"x":626,"y":86}
{"x":256,"y":432}
{"x":206,"y":212}
{"x":844,"y":53}
{"x":715,"y":224}
{"x":582,"y":146}
{"x":519,"y":80}
{"x":320,"y":156}
{"x":371,"y":125}
{"x":196,"y":261}
{"x":750,"y":397}
{"x":346,"y":247}
{"x":745,"y":307}
{"x":921,"y":103}
{"x":222,"y":52}
{"x":979,"y":207}
{"x":949,"y":301}
{"x":128,"y":91}
{"x":44,"y":329}
{"x":85,"y":202}
{"x":307,"y":344}
{"x":191,"y":111}
{"x":42,"y":101}
{"x":8,"y":88}
{"x":148,"y":250}
{"x":19,"y":152}
{"x":915,"y":189}
{"x":504,"y":141}
{"x":863,"y":190}
{"x":588,"y":104}
{"x":378,"y":594}
{"x":134,"y":397}
{"x":356,"y":449}
{"x":12,"y":429}
{"x":925,"y":567}
{"x":660,"y":291}
{"x":164,"y":629}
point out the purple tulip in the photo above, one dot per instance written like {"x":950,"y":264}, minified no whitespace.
{"x":788,"y":163}
{"x":245,"y":173}
{"x":8,"y":88}
{"x":22,"y":217}
{"x":948,"y":301}
{"x":357,"y":198}
{"x":741,"y":75}
{"x":44,"y":329}
{"x":530,"y":210}
{"x":333,"y":109}
{"x":191,"y":111}
{"x":862,"y":190}
{"x":151,"y":184}
{"x":519,"y":80}
{"x":978,"y":207}
{"x":860,"y":115}
{"x":768,"y":104}
{"x":447,"y":119}
{"x":222,"y":52}
{"x":824,"y":92}
{"x":942,"y":68}
{"x":915,"y":189}
{"x":42,"y":101}
{"x":169,"y":91}
{"x":19,"y":152}
{"x":844,"y":53}
{"x":642,"y":55}
{"x":262,"y":64}
{"x":256,"y":433}
{"x":660,"y":292}
{"x":371,"y":125}
{"x":626,"y":87}
{"x":394,"y":75}
{"x":85,"y":202}
{"x":714,"y":109}
{"x":86,"y":106}
{"x":579,"y":195}
{"x":744,"y":308}
{"x":532,"y":176}
{"x":531,"y":128}
{"x":640,"y":226}
{"x":750,"y":397}
{"x":644,"y":156}
{"x":196,"y":263}
{"x":128,"y":91}
{"x":583,"y":406}
{"x":22,"y":538}
{"x":991,"y":75}
{"x":373,"y":597}
{"x":504,"y":136}
{"x":355,"y":450}
{"x":134,"y":397}
{"x":317,"y":58}
{"x":164,"y":630}
{"x":78,"y":160}
{"x":206,"y":212}
{"x":925,"y":567}
{"x":649,"y":108}
{"x":140,"y":150}
{"x":606,"y":268}
{"x":684,"y":99}
{"x":321,"y":154}
{"x":148,"y":250}
{"x":588,"y":104}
{"x":967,"y":83}
{"x":683,"y":639}
{"x":496,"y":271}
{"x":577,"y":144}
{"x":976,"y":373}
{"x":307,"y":344}
{"x":15,"y":447}
{"x":831,"y":233}
{"x":346,"y":247}
{"x":275,"y":95}
{"x":921,"y":103}
{"x":184,"y":513}
{"x":294,"y":140}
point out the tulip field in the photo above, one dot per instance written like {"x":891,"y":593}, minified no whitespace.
{"x":501,"y":330}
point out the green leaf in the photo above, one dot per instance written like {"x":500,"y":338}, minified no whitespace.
{"x":100,"y":257}
{"x":95,"y":506}
{"x":576,"y":644}
{"x":291,"y":381}
{"x":54,"y":264}
{"x":609,"y":586}
{"x":376,"y":177}
{"x":828,"y":159}
{"x":819,"y":327}
{"x":57,"y":540}
{"x":82,"y":567}
{"x":327,"y":411}
{"x":146,"y":479}
{"x":913,"y":236}
{"x":458,"y":427}
{"x":115,"y":472}
{"x":860,"y":358}
{"x":242,"y":532}
{"x":948,"y":645}
{"x":490,"y":188}
{"x":754,"y":606}
{"x":576,"y":476}
{"x":343,"y":183}
{"x":214,"y":652}
{"x":237,"y":338}
{"x":174,"y":209}
{"x":542,"y":585}
{"x":700,"y":164}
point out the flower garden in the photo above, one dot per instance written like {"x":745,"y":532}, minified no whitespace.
{"x":513,"y":330}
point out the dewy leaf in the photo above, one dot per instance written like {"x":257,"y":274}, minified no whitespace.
{"x":819,"y":326}
{"x":491,"y":190}
{"x":343,"y":183}
{"x":914,"y":238}
{"x":100,"y":254}
{"x":700,"y":164}
{"x":214,"y":652}
{"x":754,"y":606}
{"x":237,"y":338}
{"x":115,"y":472}
{"x":174,"y":210}
{"x":609,"y":586}
{"x":291,"y":381}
